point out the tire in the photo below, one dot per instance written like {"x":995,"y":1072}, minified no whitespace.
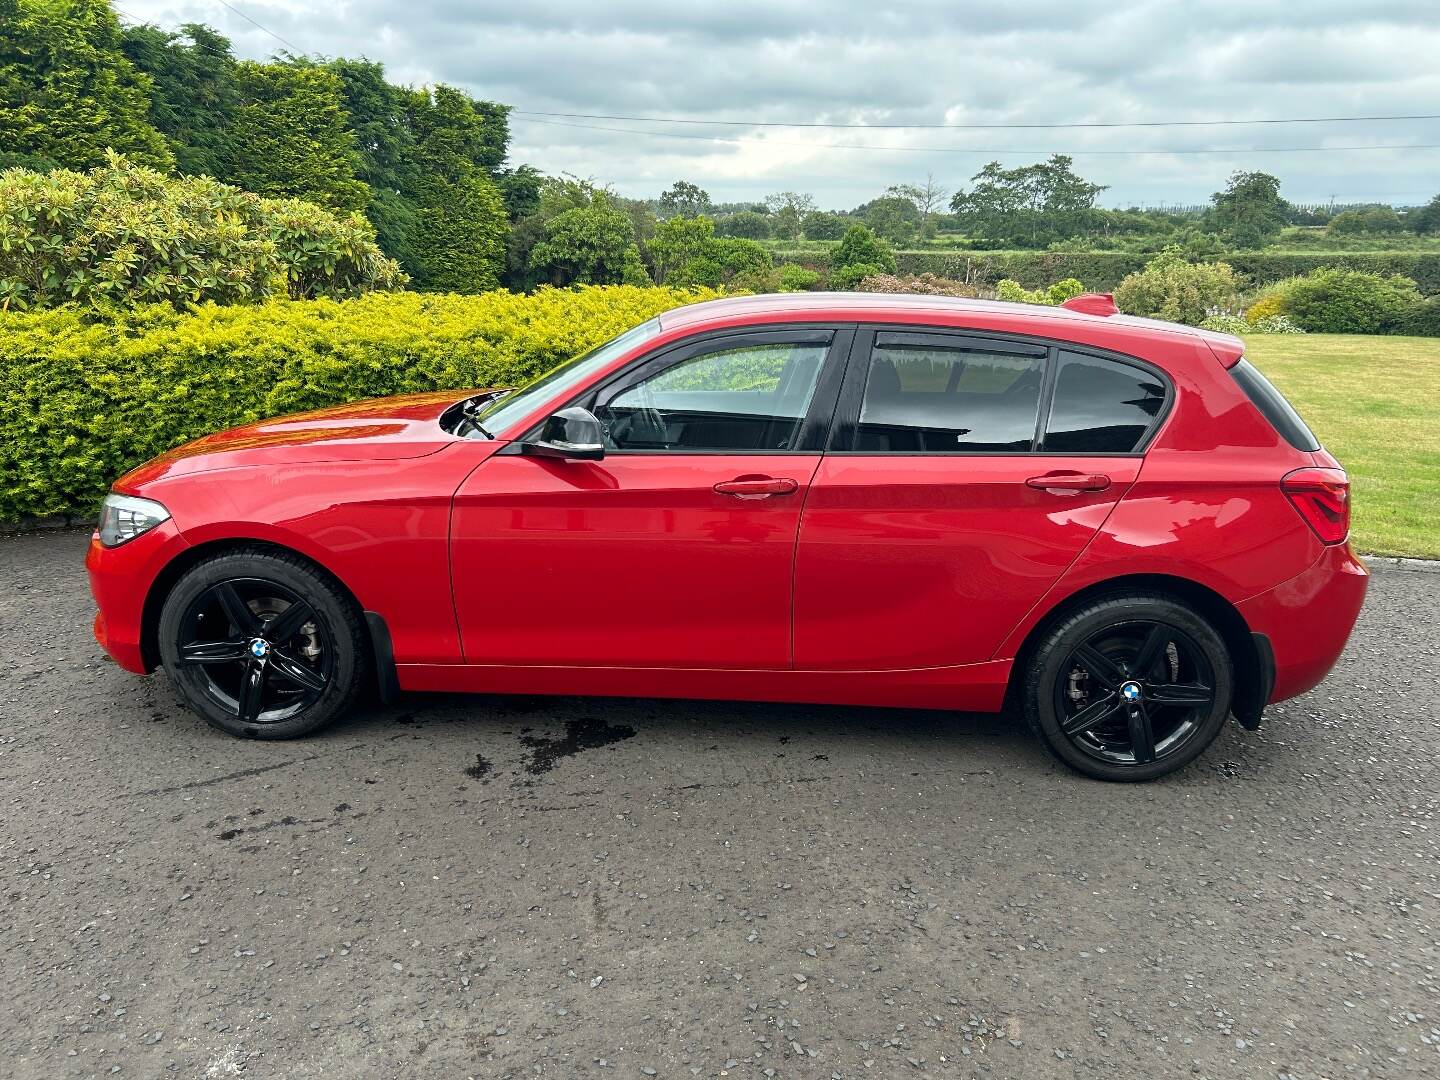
{"x":1128,"y":687}
{"x":215,"y":635}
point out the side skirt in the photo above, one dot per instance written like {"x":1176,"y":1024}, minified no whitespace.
{"x":966,"y":688}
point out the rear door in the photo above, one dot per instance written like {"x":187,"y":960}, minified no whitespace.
{"x":964,"y":474}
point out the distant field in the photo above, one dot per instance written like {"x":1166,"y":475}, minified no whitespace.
{"x":1374,"y":402}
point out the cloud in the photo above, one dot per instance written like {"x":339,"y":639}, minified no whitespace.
{"x":928,"y":61}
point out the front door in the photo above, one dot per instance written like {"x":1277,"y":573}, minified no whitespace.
{"x":677,"y":548}
{"x":965,"y":475}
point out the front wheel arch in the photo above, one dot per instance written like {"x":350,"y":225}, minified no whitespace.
{"x":176,"y":568}
{"x":1251,"y":658}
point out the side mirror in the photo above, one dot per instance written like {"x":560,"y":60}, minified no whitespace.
{"x":572,"y":434}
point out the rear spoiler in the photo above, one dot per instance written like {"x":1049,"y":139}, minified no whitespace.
{"x":1093,"y":303}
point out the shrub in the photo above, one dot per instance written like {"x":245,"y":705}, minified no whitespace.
{"x":1270,"y":305}
{"x":1171,"y":288}
{"x":1276,"y":324}
{"x":1235,"y":324}
{"x":793,"y":278}
{"x":860,"y":249}
{"x":1054,"y":295}
{"x":926,"y":284}
{"x":82,"y":401}
{"x":125,"y":234}
{"x":1422,"y":320}
{"x":848,"y":277}
{"x":1349,"y":302}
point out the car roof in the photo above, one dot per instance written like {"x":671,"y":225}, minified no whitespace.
{"x":943,"y":311}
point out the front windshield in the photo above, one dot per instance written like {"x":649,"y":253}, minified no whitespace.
{"x":556,"y":382}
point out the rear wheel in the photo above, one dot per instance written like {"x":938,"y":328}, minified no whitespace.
{"x":1129,"y":687}
{"x":261,"y":644}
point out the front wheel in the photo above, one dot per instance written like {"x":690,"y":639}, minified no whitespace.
{"x":262,"y":644}
{"x":1129,"y":687}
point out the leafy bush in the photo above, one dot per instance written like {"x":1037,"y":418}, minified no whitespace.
{"x":125,"y":234}
{"x":860,"y":254}
{"x":1176,"y":290}
{"x":1270,"y":305}
{"x":1372,"y":219}
{"x":793,"y":278}
{"x":1008,"y":289}
{"x":1349,"y":302}
{"x":926,"y":284}
{"x":1422,"y":320}
{"x":1238,"y":325}
{"x":1104,"y":270}
{"x":82,"y":401}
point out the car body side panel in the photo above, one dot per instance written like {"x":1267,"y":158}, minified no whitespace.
{"x":381,"y":527}
{"x":1206,"y":507}
{"x":1308,"y":618}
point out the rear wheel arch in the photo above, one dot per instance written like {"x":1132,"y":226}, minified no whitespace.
{"x":1252,"y":676}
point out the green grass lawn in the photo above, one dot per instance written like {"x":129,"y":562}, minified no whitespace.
{"x":1374,"y":402}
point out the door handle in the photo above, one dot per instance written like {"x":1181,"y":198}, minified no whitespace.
{"x":757,"y":487}
{"x":1070,"y":483}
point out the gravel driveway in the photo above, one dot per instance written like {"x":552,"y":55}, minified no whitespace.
{"x":498,"y":887}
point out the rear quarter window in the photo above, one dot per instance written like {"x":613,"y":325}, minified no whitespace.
{"x":1273,"y":406}
{"x":1101,"y":406}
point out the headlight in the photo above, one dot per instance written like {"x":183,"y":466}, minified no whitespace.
{"x":124,"y":517}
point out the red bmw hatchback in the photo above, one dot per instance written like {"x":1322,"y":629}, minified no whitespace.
{"x":1116,"y":525}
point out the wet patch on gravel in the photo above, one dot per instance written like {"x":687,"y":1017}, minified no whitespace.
{"x":586,"y":733}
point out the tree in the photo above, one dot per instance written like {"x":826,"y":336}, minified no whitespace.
{"x":1368,"y":220}
{"x":461,"y":220}
{"x":799,"y":202}
{"x":746,"y":224}
{"x":927,"y":198}
{"x":684,"y":199}
{"x":893,"y":217}
{"x":193,"y":97}
{"x":1250,"y":211}
{"x":291,"y":136}
{"x":590,"y":245}
{"x":1030,"y":204}
{"x":1425,"y":219}
{"x":67,"y":91}
{"x":820,"y":225}
{"x":678,"y":241}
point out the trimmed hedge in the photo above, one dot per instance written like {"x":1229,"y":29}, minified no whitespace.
{"x":81,"y":401}
{"x":1104,"y":270}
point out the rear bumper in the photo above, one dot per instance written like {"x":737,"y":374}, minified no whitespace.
{"x":1307,"y":620}
{"x":120,"y":581}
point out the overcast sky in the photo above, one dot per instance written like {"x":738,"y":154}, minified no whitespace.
{"x":925,"y":62}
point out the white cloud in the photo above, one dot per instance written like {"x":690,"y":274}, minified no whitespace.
{"x":931,"y":61}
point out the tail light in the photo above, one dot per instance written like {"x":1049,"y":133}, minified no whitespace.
{"x":1322,"y":498}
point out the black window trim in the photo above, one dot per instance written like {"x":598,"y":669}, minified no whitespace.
{"x":815,"y":425}
{"x":845,"y":427}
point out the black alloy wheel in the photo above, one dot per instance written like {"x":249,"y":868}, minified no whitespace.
{"x":1129,"y":687}
{"x":1134,"y":693}
{"x":263,"y":654}
{"x":263,"y":643}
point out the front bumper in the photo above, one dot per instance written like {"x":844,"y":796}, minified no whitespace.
{"x":1308,"y":619}
{"x":120,"y":580}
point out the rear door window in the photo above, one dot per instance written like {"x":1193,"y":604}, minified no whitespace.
{"x":1101,"y":406}
{"x":926,"y":394}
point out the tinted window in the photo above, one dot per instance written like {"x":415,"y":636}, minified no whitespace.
{"x":1283,"y":418}
{"x":752,"y":397}
{"x":948,"y":400}
{"x":1101,"y":406}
